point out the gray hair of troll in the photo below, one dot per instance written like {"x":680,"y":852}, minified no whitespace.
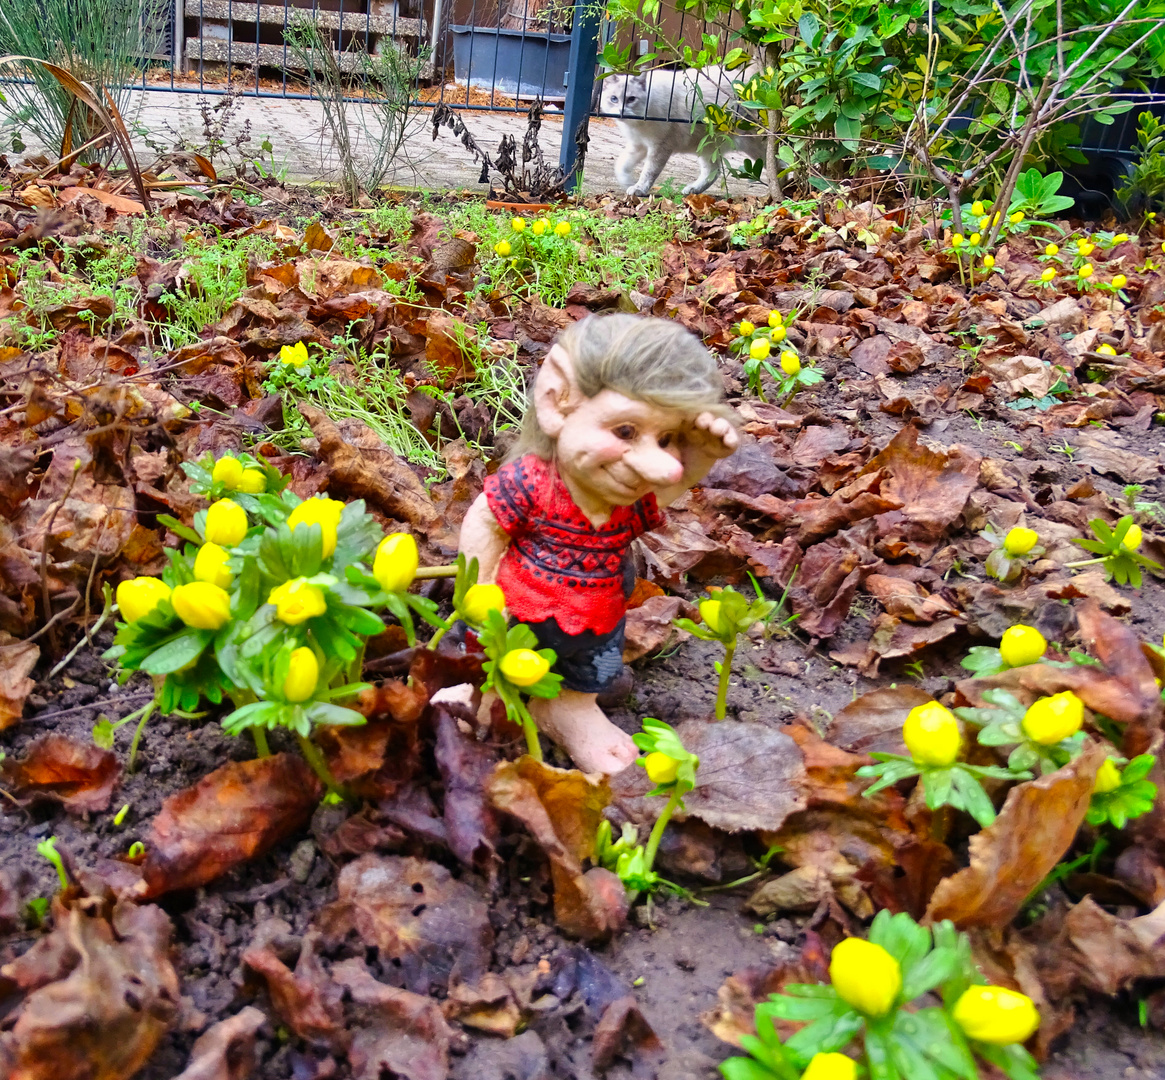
{"x":652,"y":360}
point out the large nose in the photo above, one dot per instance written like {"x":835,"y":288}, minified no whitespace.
{"x":656,"y":465}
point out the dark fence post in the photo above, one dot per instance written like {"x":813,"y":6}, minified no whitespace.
{"x":580,"y":83}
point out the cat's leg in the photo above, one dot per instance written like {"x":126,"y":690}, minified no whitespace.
{"x":629,"y":162}
{"x":709,"y":171}
{"x":658,"y":155}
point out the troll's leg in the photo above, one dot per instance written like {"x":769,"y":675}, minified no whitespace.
{"x":581,"y":728}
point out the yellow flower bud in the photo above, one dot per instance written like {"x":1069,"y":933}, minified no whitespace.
{"x":1053,"y":719}
{"x":998,"y":215}
{"x":227,"y":471}
{"x":201,"y":605}
{"x":984,"y":221}
{"x":294,"y":355}
{"x":865,"y":976}
{"x":502,"y":248}
{"x":977,"y":208}
{"x":518,"y":224}
{"x":1119,"y":281}
{"x":1120,"y":238}
{"x":661,"y":769}
{"x":1022,"y":645}
{"x":1133,"y":538}
{"x":760,"y":349}
{"x":539,"y":227}
{"x":1016,"y":218}
{"x":524,"y":667}
{"x":830,"y":1067}
{"x":775,"y":319}
{"x":252,"y":482}
{"x":1048,"y":274}
{"x":322,"y":512}
{"x":396,"y":562}
{"x":958,"y":240}
{"x":931,"y":734}
{"x":1085,"y":248}
{"x":989,"y":261}
{"x":303,"y":673}
{"x":138,"y":597}
{"x":1019,"y":541}
{"x":790,"y":362}
{"x":778,"y":333}
{"x":210,"y":564}
{"x":1108,"y":777}
{"x":480,"y":600}
{"x":1052,"y":249}
{"x":1087,"y":270}
{"x":226,"y":523}
{"x":746,"y":328}
{"x":1106,"y":350}
{"x":710,"y":614}
{"x":296,"y":601}
{"x":996,"y":1015}
{"x":975,"y":238}
{"x":562,"y":228}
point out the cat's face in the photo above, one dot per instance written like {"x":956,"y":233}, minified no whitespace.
{"x":623,"y":96}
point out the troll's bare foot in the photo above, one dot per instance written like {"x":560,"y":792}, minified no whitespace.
{"x":582,"y":729}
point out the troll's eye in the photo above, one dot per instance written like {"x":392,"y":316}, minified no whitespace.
{"x":666,"y":440}
{"x":626,"y":432}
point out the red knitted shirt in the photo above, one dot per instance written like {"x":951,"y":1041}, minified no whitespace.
{"x":558,"y":564}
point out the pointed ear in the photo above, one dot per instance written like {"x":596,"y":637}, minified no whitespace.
{"x":556,"y":394}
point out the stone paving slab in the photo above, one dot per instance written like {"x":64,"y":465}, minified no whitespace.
{"x":295,"y":128}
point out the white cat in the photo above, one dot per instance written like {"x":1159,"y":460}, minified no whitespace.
{"x":654,"y":113}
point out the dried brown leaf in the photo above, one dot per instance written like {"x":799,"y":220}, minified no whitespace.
{"x":79,"y":776}
{"x":226,"y":1050}
{"x":874,"y":721}
{"x":17,"y":659}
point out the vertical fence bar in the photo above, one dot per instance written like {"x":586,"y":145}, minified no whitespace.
{"x":580,"y":84}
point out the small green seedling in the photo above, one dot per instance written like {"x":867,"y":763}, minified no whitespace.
{"x":725,"y":616}
{"x":1121,"y":795}
{"x":119,"y":817}
{"x":48,"y":849}
{"x":37,"y":910}
{"x":515,"y":666}
{"x":136,"y":850}
{"x":1116,"y":550}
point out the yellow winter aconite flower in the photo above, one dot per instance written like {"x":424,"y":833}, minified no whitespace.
{"x":994,"y":1014}
{"x":296,"y":601}
{"x":1106,"y":350}
{"x":760,"y":349}
{"x":480,"y":600}
{"x":998,"y":215}
{"x":958,"y":240}
{"x":778,"y":333}
{"x":830,"y":1067}
{"x":1022,"y":645}
{"x":1048,"y":274}
{"x":1016,"y":218}
{"x":396,"y":562}
{"x":747,"y":329}
{"x":303,"y":673}
{"x":201,"y":605}
{"x":989,"y":261}
{"x":252,"y":482}
{"x":790,"y":362}
{"x":518,"y":224}
{"x":1108,"y":777}
{"x":1120,"y":238}
{"x":562,"y":228}
{"x":977,"y":208}
{"x":975,"y":237}
{"x":1087,"y":270}
{"x":226,"y":523}
{"x":1052,"y":719}
{"x":661,"y":768}
{"x":502,"y":248}
{"x":710,"y":614}
{"x":1052,"y":249}
{"x":540,"y":226}
{"x":138,"y":597}
{"x":984,"y":222}
{"x":775,"y":319}
{"x":294,"y":355}
{"x":210,"y":564}
{"x":524,"y":667}
{"x":1019,"y":541}
{"x":322,"y":512}
{"x":931,"y":734}
{"x":1119,"y":281}
{"x":227,"y":471}
{"x":1133,"y":538}
{"x":865,"y":976}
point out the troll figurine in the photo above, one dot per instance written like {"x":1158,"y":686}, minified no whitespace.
{"x":626,"y":414}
